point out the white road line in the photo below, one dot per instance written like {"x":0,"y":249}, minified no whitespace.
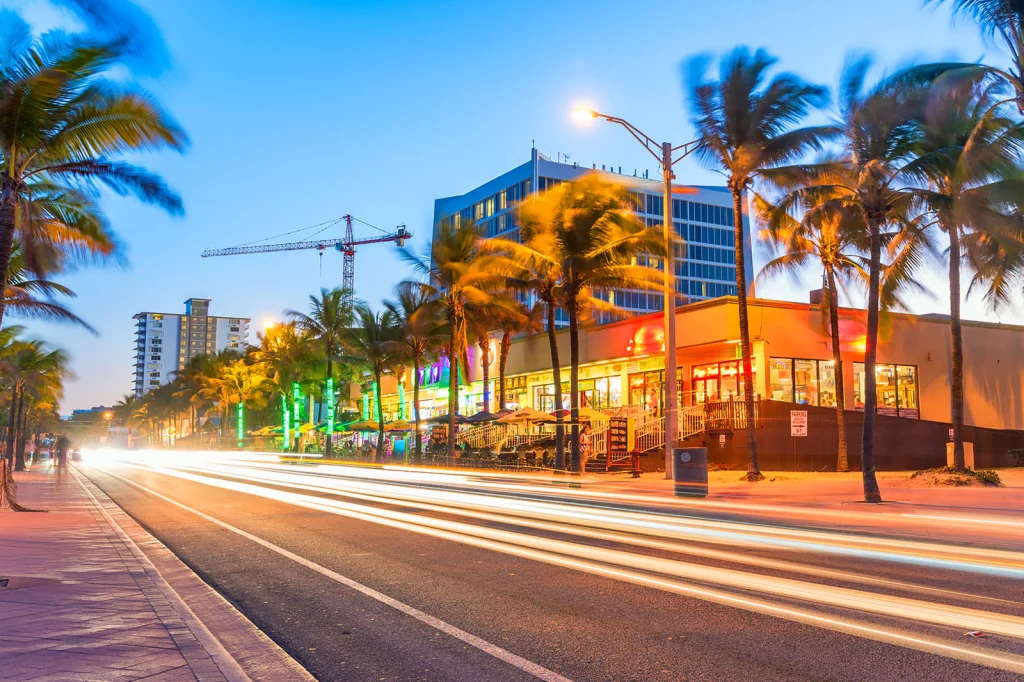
{"x":538,"y":671}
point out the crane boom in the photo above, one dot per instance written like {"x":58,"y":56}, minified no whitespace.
{"x":347,"y":246}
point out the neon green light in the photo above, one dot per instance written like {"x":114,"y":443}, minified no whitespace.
{"x":366,"y":406}
{"x":330,"y":406}
{"x":241,"y":423}
{"x":287,"y":433}
{"x":401,"y":401}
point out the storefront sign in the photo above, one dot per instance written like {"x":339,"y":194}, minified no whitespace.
{"x":648,"y":339}
{"x":439,"y":435}
{"x":798,"y":422}
{"x":618,"y":438}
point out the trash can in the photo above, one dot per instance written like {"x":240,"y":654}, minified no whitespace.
{"x":690,"y":472}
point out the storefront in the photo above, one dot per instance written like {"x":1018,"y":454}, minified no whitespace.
{"x":598,"y":393}
{"x":895,"y":389}
{"x":717,"y":381}
{"x":802,"y":381}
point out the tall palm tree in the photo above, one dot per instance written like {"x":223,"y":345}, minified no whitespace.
{"x":533,"y":272}
{"x":63,"y":125}
{"x":326,"y":324}
{"x":879,"y":132}
{"x":1004,"y":21}
{"x":518,"y":320}
{"x":236,"y":384}
{"x":29,"y":368}
{"x":835,"y":239}
{"x":124,"y":410}
{"x":371,"y":342}
{"x":482,"y":320}
{"x":286,"y":361}
{"x":969,"y":163}
{"x":745,"y":124}
{"x":28,"y":295}
{"x":456,"y":274}
{"x":418,"y":341}
{"x":593,"y":241}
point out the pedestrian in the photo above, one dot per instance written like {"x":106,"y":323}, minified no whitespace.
{"x":60,"y":455}
{"x":584,"y":448}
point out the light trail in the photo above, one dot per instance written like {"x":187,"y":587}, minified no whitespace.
{"x":636,"y":569}
{"x":732,"y":534}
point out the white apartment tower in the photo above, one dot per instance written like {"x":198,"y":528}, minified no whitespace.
{"x":166,"y":342}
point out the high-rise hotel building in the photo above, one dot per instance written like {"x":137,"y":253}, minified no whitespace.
{"x":166,"y":342}
{"x":704,"y":258}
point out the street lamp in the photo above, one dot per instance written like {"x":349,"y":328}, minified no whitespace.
{"x":663,"y":152}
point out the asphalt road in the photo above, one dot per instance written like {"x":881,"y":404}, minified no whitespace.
{"x":323,"y":556}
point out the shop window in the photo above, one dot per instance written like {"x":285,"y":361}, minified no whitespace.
{"x":896,"y":389}
{"x":781,"y":377}
{"x":827,"y":383}
{"x":805,"y":382}
{"x":719,"y":380}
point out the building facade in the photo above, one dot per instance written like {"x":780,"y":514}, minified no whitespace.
{"x":166,"y":342}
{"x":622,"y":364}
{"x":704,"y":256}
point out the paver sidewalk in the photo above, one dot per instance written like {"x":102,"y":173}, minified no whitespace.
{"x":83,"y":601}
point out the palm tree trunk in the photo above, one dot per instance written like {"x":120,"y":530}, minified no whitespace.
{"x":957,"y":345}
{"x":8,"y":219}
{"x":556,"y":374}
{"x":19,"y":455}
{"x":19,"y":460}
{"x":15,"y":407}
{"x":418,"y":438}
{"x":753,"y":471}
{"x":485,"y":361}
{"x":574,"y":377}
{"x":9,"y":440}
{"x":453,"y":393}
{"x":843,"y":461}
{"x":506,"y":345}
{"x":330,"y":373}
{"x":867,"y":458}
{"x":380,"y":419}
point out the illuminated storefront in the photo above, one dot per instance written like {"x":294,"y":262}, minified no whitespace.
{"x":622,"y":364}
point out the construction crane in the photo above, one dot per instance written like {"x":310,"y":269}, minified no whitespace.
{"x":347,"y":246}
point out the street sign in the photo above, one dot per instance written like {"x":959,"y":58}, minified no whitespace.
{"x":951,"y":434}
{"x":721,"y":440}
{"x":798,"y":422}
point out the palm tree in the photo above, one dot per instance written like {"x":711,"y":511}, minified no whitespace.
{"x":30,"y":296}
{"x":536,"y":274}
{"x":125,"y":408}
{"x":745,"y":124}
{"x":287,"y":362}
{"x":519,"y":320}
{"x":879,"y":129}
{"x":482,"y":320}
{"x":63,"y":124}
{"x":419,"y":340}
{"x":968,"y":160}
{"x":457,"y":274}
{"x":1004,"y":20}
{"x":327,"y":324}
{"x":371,"y":342}
{"x":593,"y":241}
{"x":236,"y":384}
{"x":29,"y":368}
{"x":835,"y":239}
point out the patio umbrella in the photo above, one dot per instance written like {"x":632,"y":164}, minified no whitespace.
{"x":443,"y":419}
{"x":305,"y":428}
{"x":262,"y":431}
{"x":587,"y":414}
{"x":398,"y":425}
{"x":364,"y":425}
{"x":527,"y":415}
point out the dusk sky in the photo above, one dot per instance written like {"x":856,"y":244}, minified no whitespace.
{"x":301,"y":111}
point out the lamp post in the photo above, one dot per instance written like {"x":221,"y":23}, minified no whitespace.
{"x":663,"y":152}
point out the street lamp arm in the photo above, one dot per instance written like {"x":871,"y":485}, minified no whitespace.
{"x":688,"y":148}
{"x":649,"y":144}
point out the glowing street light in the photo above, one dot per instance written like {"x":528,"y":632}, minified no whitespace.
{"x":663,"y":152}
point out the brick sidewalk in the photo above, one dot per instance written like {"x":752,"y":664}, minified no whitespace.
{"x":83,"y":601}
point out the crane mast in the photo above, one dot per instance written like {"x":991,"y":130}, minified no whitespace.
{"x":347,"y":247}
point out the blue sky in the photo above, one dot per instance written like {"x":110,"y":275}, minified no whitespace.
{"x":301,"y":111}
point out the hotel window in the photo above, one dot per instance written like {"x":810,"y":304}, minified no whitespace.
{"x":502,"y":200}
{"x":489,"y":207}
{"x":478,"y":211}
{"x":655,"y":204}
{"x":896,"y":388}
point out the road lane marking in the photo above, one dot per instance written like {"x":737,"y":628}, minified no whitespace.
{"x":534,"y":669}
{"x":1008,"y":662}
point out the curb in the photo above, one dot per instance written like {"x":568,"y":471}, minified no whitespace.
{"x":240,"y":652}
